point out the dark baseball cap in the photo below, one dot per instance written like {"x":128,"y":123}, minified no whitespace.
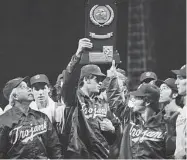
{"x":39,"y":78}
{"x":170,"y":82}
{"x":181,"y":71}
{"x":150,"y":91}
{"x":148,"y":75}
{"x":91,"y":69}
{"x":10,"y":85}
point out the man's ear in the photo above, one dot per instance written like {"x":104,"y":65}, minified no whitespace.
{"x":15,"y":96}
{"x":174,"y":95}
{"x":48,"y":89}
{"x":86,"y":80}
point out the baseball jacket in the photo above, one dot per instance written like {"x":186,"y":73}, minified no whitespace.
{"x":181,"y":131}
{"x":140,"y":139}
{"x":28,"y":135}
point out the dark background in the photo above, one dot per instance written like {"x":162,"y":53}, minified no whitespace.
{"x":40,"y":36}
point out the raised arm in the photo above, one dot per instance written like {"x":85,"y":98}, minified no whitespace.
{"x":70,"y":76}
{"x":115,"y":93}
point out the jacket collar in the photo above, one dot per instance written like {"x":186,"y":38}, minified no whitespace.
{"x":155,"y":121}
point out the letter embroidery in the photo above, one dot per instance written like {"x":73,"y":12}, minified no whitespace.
{"x":24,"y":135}
{"x":137,"y":134}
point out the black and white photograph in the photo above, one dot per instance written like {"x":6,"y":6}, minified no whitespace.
{"x":93,"y":79}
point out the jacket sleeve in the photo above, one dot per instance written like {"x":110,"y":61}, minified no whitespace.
{"x":70,"y":83}
{"x":170,"y":140}
{"x":3,"y":140}
{"x":115,"y":100}
{"x":53,"y":147}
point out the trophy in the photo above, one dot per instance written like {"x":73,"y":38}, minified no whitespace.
{"x":100,"y":28}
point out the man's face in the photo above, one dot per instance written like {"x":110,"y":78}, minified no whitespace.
{"x":41,"y":92}
{"x":138,"y":104}
{"x":24,"y":92}
{"x":181,"y":83}
{"x":165,"y":93}
{"x":94,"y":84}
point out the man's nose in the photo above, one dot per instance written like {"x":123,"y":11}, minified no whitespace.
{"x":40,"y":91}
{"x":177,"y":81}
{"x":29,"y":89}
{"x":100,"y":83}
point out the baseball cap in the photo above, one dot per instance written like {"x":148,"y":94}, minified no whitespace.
{"x":91,"y":69}
{"x":150,"y":91}
{"x":170,"y":82}
{"x":181,"y":71}
{"x":148,"y":75}
{"x":11,"y":84}
{"x":39,"y":78}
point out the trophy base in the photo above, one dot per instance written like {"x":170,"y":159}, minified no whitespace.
{"x":98,"y":58}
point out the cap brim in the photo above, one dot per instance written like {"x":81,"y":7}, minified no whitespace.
{"x":100,"y":74}
{"x":147,"y":78}
{"x":137,"y":93}
{"x":25,"y":79}
{"x":177,"y":72}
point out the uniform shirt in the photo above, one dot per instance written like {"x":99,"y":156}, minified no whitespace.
{"x":92,"y":108}
{"x":49,"y":110}
{"x":28,"y":135}
{"x":140,"y":139}
{"x":54,"y":111}
{"x":144,"y":140}
{"x":181,"y":131}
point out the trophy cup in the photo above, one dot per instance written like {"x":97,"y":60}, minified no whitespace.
{"x":100,"y":28}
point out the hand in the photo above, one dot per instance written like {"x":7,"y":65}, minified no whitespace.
{"x":106,"y":125}
{"x":112,"y":71}
{"x":83,"y":43}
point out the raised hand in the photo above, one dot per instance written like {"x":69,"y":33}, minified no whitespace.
{"x":106,"y":125}
{"x":112,"y":71}
{"x":83,"y":43}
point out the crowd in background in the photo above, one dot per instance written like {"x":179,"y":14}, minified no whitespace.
{"x":97,"y":118}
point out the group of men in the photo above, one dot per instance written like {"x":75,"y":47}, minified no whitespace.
{"x":97,"y":118}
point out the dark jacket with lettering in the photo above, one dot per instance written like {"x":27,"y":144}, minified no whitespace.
{"x":82,"y":138}
{"x":28,"y":136}
{"x":140,"y":140}
{"x":68,"y":92}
